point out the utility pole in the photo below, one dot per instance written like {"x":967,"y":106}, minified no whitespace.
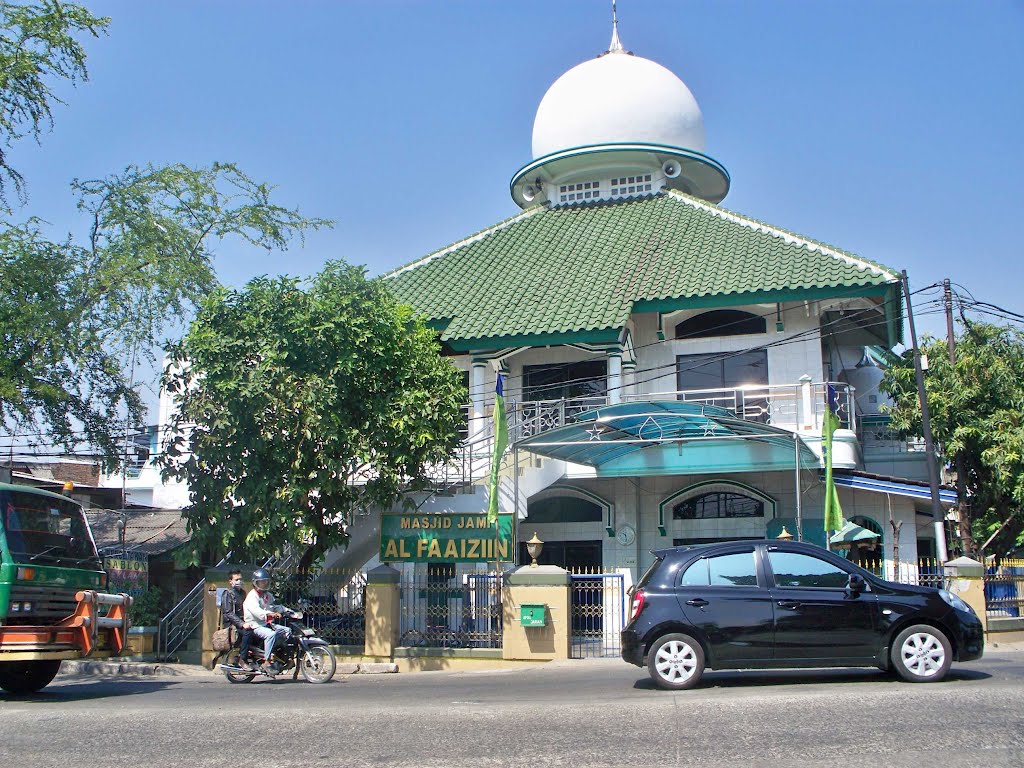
{"x":963,"y":509}
{"x":926,"y":427}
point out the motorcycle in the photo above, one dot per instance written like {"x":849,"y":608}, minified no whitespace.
{"x":302,"y":652}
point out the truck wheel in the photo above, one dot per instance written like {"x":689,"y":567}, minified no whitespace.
{"x":21,"y":677}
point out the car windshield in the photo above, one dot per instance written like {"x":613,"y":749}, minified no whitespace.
{"x":48,"y":531}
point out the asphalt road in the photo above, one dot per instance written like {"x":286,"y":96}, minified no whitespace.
{"x":579,"y":714}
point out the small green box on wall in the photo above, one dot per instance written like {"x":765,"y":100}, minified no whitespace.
{"x":533,"y":615}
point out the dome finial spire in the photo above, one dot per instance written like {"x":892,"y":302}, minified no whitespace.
{"x":616,"y":45}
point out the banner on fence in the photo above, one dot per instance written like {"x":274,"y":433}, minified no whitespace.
{"x":445,"y":538}
{"x":124,"y":574}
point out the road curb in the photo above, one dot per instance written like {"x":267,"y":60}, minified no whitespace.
{"x":143,"y":669}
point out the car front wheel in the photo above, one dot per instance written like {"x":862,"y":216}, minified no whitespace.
{"x":676,"y":662}
{"x":921,"y":654}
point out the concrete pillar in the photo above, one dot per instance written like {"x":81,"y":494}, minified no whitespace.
{"x":477,"y":396}
{"x":216,"y":580}
{"x":966,"y":579}
{"x":614,"y":377}
{"x":381,"y":604}
{"x":546,"y":585}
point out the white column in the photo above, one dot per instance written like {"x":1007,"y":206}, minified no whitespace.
{"x":477,"y":396}
{"x":628,"y":380}
{"x":806,"y":419}
{"x":614,"y":377}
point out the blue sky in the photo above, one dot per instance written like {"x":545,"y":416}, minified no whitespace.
{"x":891,"y":129}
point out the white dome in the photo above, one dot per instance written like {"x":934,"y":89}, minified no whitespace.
{"x":617,"y":98}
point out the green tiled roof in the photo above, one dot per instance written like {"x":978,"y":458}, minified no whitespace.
{"x":582,"y":270}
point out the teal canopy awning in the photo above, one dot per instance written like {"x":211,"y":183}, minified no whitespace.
{"x":670,"y":438}
{"x":850,"y":533}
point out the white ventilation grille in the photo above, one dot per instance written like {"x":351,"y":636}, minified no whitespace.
{"x":631,"y":185}
{"x":585,"y":190}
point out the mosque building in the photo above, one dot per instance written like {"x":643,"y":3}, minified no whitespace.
{"x":667,"y":362}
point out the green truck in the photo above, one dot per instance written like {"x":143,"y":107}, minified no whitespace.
{"x":52,"y":600}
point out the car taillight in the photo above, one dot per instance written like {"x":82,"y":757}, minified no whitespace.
{"x":638,"y":605}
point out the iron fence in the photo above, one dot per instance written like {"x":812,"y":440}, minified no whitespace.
{"x":450,"y":607}
{"x":925,"y":571}
{"x":1004,"y":590}
{"x":332,"y":602}
{"x":598,"y":613}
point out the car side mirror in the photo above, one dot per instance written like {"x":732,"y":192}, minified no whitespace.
{"x":856,"y":584}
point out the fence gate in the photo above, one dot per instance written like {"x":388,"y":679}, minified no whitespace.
{"x":598,"y":614}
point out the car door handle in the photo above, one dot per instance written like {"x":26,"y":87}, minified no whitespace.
{"x":699,"y":602}
{"x":789,"y":605}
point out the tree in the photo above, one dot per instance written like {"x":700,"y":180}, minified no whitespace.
{"x":301,"y":404}
{"x":73,"y":314}
{"x":38,"y":44}
{"x":977,"y":418}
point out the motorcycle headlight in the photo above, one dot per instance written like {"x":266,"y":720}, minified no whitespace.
{"x":955,"y":601}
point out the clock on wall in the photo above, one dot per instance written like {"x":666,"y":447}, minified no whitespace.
{"x":625,"y":535}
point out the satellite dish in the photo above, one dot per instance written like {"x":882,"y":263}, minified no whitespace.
{"x":670,"y":169}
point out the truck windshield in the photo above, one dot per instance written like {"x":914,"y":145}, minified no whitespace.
{"x":47,"y":531}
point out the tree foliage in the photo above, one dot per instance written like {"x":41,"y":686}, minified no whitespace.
{"x":977,"y":416}
{"x":300,"y":405}
{"x":73,"y":312}
{"x":38,"y":46}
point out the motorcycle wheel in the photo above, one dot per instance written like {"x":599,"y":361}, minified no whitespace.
{"x":317,"y":664}
{"x":236,"y":677}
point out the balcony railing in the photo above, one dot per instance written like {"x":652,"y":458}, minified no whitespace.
{"x":798,"y":407}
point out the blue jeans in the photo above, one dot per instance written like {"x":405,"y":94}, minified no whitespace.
{"x":269,"y":635}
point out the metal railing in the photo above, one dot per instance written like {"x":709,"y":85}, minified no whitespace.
{"x":451,"y":609}
{"x":925,"y":571}
{"x":182,"y":621}
{"x":332,"y":602}
{"x":1004,"y":590}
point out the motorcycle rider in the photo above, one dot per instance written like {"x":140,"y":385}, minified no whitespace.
{"x":260,"y":611}
{"x":231,"y":610}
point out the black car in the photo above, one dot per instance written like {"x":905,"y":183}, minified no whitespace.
{"x":774,"y":604}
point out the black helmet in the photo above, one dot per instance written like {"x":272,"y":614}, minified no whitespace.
{"x":261,"y":579}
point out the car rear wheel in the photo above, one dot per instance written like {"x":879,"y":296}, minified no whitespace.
{"x":676,"y":662}
{"x":921,"y":654}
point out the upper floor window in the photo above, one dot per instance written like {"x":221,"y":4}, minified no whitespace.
{"x":718,"y":504}
{"x":564,"y":381}
{"x":720,"y":322}
{"x":721,"y":371}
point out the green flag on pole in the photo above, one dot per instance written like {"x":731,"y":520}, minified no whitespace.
{"x":500,"y":444}
{"x":833,"y":512}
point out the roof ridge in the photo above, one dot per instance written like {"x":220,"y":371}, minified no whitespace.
{"x":788,"y":236}
{"x":480,"y":235}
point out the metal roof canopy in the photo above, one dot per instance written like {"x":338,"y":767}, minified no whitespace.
{"x":648,"y":438}
{"x":895,"y":486}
